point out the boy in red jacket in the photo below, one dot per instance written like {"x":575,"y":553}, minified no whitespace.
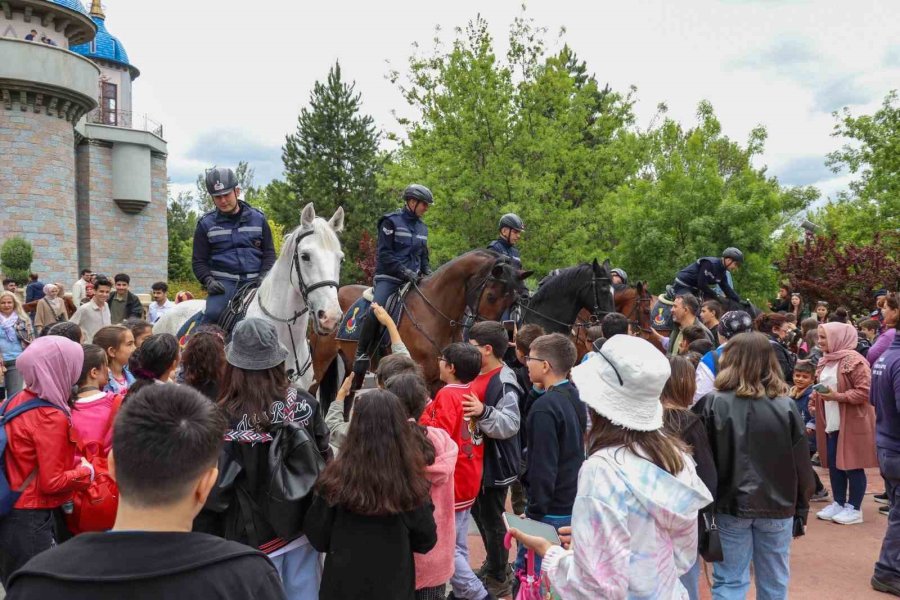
{"x":459,"y":364}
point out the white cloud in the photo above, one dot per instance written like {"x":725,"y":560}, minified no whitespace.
{"x":213,"y":67}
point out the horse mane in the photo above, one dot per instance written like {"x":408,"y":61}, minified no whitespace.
{"x":480,"y":252}
{"x":564,"y":280}
{"x":321,"y":228}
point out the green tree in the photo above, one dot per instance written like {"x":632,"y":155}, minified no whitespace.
{"x":531,"y":134}
{"x":181,"y":220}
{"x":332,"y":159}
{"x":697,"y":194}
{"x":16,"y":255}
{"x":243,"y":173}
{"x":872,"y":154}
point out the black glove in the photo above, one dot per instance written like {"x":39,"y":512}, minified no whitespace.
{"x":213,"y":287}
{"x":410,"y":275}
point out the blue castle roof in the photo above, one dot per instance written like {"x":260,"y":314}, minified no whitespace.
{"x":105,"y":46}
{"x":75,"y":5}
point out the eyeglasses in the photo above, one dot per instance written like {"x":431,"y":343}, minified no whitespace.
{"x":527,"y":358}
{"x":442,"y":359}
{"x":613,"y":365}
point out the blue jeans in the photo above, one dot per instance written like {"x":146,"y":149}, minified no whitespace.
{"x":887,"y":569}
{"x":301,"y":572}
{"x":24,"y":533}
{"x":856,"y":478}
{"x":691,"y":580}
{"x":216,"y":304}
{"x":463,"y":581}
{"x":767,"y":542}
{"x":557,"y":521}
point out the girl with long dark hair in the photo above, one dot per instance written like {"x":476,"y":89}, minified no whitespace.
{"x":154,"y":362}
{"x":203,"y":361}
{"x":372,"y":509}
{"x":118,"y":342}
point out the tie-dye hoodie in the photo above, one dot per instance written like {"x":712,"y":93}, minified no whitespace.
{"x":634,"y":530}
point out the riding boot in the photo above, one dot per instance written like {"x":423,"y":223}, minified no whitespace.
{"x":467,"y":321}
{"x":365,"y":348}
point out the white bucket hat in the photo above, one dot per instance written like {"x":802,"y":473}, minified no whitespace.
{"x":623,"y":382}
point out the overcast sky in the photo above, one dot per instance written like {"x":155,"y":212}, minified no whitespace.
{"x":227,"y":78}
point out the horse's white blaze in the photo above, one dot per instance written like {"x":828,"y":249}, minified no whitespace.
{"x":319,"y":257}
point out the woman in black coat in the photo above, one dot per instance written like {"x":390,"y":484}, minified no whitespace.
{"x":775,"y":327}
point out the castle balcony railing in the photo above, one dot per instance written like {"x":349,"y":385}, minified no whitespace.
{"x":126,"y":119}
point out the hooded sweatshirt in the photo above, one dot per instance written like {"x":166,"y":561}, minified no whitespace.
{"x":634,"y":530}
{"x":436,"y":567}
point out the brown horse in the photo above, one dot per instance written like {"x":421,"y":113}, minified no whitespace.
{"x":431,"y":315}
{"x":634,"y":303}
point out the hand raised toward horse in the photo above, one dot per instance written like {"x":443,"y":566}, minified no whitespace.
{"x":381,"y":314}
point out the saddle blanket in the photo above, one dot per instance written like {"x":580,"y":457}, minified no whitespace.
{"x":661,"y":314}
{"x":184,"y":334}
{"x":352,"y":323}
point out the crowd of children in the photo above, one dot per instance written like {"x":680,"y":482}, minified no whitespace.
{"x":630,"y":455}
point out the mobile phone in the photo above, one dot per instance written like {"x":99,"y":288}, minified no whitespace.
{"x":821,"y":388}
{"x":510,"y":327}
{"x":532,"y":527}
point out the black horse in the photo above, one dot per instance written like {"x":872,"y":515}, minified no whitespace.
{"x":564,"y":293}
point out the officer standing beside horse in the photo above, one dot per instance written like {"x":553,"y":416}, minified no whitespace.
{"x":233,"y":244}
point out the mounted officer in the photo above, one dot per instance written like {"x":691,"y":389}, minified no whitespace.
{"x":401,"y":256}
{"x":700,"y":277}
{"x":511,"y":229}
{"x":233,"y":244}
{"x":619,"y":277}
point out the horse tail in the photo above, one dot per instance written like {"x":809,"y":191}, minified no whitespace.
{"x":330,"y":383}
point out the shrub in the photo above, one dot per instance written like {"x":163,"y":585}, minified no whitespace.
{"x":15,"y":259}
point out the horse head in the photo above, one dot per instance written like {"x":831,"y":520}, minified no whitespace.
{"x":497,"y":287}
{"x":316,"y":259}
{"x":598,"y":297}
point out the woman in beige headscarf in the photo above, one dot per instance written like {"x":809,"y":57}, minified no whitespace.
{"x":51,"y":309}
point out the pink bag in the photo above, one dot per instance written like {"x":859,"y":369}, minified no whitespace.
{"x":529,"y":582}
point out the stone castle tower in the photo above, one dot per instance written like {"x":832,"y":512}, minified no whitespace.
{"x":82,"y":177}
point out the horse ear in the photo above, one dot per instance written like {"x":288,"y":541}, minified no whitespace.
{"x":606,"y":265}
{"x":337,"y":220}
{"x":595,"y":265}
{"x":523,"y":275}
{"x":308,"y":215}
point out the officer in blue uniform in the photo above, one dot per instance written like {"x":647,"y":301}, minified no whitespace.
{"x":700,"y":277}
{"x":619,"y":277}
{"x":401,"y":256}
{"x":233,"y":244}
{"x":511,"y":229}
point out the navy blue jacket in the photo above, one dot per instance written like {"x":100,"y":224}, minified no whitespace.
{"x":402,"y":245}
{"x":232,"y":246}
{"x":555,"y":429}
{"x":705,"y":273}
{"x":34,"y":291}
{"x":505,"y":248}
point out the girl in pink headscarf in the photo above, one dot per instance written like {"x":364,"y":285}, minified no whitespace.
{"x":845,"y":421}
{"x":40,"y":451}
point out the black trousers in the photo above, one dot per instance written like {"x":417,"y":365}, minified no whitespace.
{"x":24,"y":533}
{"x":887,"y":569}
{"x":488,"y":514}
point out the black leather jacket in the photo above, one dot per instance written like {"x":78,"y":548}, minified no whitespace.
{"x":761,"y":455}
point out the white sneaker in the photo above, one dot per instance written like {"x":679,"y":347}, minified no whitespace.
{"x":827,"y":513}
{"x":848,"y":516}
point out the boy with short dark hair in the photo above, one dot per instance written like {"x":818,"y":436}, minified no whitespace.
{"x":161,"y":303}
{"x":166,"y":445}
{"x":804,"y":378}
{"x":459,"y":364}
{"x":94,"y":315}
{"x":555,"y":430}
{"x":123,"y":304}
{"x":494,"y":404}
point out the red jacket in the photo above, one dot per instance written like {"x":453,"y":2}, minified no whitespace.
{"x":445,"y":412}
{"x":41,"y":440}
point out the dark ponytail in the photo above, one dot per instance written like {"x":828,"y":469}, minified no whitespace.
{"x":94,"y":358}
{"x":413,"y":395}
{"x":152,"y":360}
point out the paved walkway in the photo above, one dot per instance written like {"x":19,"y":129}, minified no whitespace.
{"x":831,"y":562}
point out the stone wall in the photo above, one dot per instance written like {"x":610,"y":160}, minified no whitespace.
{"x":38,"y":192}
{"x":110,"y":240}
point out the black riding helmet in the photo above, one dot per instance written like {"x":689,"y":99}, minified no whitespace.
{"x":419,"y":193}
{"x":220,"y":181}
{"x":734,"y":254}
{"x":512,"y":221}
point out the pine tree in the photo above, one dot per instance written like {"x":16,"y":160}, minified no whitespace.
{"x":333,"y":160}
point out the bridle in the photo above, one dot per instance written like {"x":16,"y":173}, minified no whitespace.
{"x":637,"y":310}
{"x":471,"y":306}
{"x":305,"y":291}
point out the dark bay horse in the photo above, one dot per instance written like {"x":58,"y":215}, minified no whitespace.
{"x":563,"y":294}
{"x":432,"y":314}
{"x":633,"y":302}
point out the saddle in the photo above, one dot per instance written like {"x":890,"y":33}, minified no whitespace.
{"x":356,"y":315}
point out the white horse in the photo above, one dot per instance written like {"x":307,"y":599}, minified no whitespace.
{"x":302,"y":282}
